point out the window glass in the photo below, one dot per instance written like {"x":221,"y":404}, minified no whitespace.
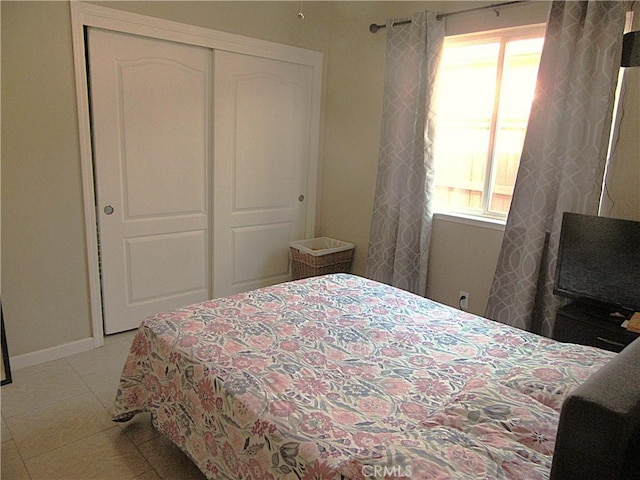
{"x":486,"y":88}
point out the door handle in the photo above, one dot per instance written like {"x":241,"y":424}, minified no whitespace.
{"x":108,"y":210}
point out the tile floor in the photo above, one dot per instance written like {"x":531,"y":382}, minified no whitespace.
{"x":56,"y":424}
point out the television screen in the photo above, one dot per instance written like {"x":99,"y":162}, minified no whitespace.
{"x":599,"y":261}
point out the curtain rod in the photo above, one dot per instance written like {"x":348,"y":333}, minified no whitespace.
{"x":373,"y":28}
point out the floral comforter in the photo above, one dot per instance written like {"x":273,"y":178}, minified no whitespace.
{"x":342,"y":377}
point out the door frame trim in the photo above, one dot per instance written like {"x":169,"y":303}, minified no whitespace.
{"x":86,"y":15}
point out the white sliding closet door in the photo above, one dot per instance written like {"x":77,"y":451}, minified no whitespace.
{"x":150,"y":104}
{"x":261,"y":156}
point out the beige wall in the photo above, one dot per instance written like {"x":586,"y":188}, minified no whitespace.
{"x":44,"y":282}
{"x":44,"y":272}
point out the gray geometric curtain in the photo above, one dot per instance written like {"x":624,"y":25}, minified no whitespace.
{"x":563,"y":159}
{"x":402,"y":213}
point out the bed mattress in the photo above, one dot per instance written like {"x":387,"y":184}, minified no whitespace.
{"x":342,"y":377}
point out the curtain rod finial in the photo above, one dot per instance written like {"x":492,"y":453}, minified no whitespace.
{"x":373,"y":28}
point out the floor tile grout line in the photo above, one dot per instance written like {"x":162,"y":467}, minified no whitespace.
{"x":137,"y":446}
{"x":20,"y":456}
{"x":53,"y":402}
{"x":146,"y":461}
{"x":23,"y":373}
{"x":83,"y":437}
{"x":65,"y":445}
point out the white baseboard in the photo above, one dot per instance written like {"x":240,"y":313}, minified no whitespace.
{"x":53,"y":353}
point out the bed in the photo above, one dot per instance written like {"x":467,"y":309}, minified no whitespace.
{"x":341,"y":377}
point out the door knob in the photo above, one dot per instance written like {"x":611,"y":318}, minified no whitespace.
{"x":301,"y":198}
{"x":108,"y":209}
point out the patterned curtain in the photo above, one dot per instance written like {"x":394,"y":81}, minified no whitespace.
{"x":563,"y":159}
{"x":402,"y":213}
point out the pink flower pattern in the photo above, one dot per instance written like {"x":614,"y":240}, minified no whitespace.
{"x":319,"y":378}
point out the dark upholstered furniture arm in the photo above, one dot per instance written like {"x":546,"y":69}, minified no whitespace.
{"x":599,"y":430}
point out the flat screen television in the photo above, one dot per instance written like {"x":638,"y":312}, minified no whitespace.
{"x":599,"y":261}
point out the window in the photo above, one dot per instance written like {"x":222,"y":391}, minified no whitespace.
{"x":486,"y":88}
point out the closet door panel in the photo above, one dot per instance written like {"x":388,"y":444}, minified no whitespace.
{"x":261,"y":156}
{"x":151,"y":128}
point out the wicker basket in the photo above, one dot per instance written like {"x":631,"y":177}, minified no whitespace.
{"x":320,"y":256}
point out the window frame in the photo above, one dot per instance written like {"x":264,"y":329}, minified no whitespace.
{"x":503,"y":36}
